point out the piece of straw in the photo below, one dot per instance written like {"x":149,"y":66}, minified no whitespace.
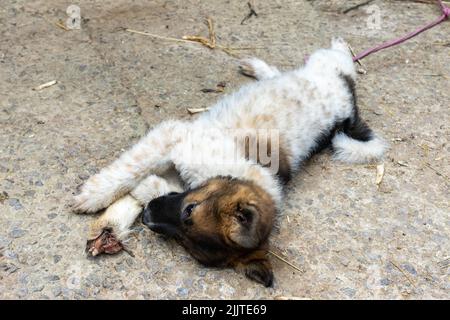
{"x":285,"y":261}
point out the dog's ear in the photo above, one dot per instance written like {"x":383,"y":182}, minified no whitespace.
{"x":257,"y":267}
{"x":244,"y":229}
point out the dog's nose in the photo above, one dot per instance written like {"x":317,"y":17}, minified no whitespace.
{"x":146,"y":216}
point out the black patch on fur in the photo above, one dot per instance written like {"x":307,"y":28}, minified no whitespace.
{"x":284,"y":171}
{"x":324,"y":140}
{"x":284,"y":175}
{"x":354,"y":126}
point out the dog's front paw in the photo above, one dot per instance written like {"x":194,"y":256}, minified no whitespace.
{"x":90,"y":198}
{"x":82,"y":203}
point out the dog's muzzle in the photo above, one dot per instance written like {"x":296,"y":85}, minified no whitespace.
{"x":163,"y":214}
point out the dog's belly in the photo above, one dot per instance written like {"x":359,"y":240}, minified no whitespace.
{"x":300,"y":109}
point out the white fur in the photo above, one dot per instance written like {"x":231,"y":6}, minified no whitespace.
{"x":149,"y":155}
{"x":354,"y":151}
{"x":301,"y":104}
{"x":119,"y":216}
{"x":258,"y":69}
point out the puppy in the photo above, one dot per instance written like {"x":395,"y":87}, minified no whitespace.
{"x":215,"y":183}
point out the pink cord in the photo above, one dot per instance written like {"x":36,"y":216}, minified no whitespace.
{"x":445,"y":15}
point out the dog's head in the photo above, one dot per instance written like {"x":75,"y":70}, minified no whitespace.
{"x":225,"y":222}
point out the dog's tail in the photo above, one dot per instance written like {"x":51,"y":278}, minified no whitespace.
{"x":356,"y":143}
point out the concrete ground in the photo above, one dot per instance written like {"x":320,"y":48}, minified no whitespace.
{"x":351,"y":238}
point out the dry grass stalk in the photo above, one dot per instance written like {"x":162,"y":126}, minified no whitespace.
{"x":251,"y":13}
{"x":196,"y":110}
{"x":220,"y":87}
{"x":380,"y":174}
{"x":361,"y":70}
{"x":61,"y":25}
{"x":402,"y":163}
{"x":212,"y":33}
{"x":357,"y":6}
{"x":210,"y":42}
{"x":285,"y":261}
{"x":157,"y":36}
{"x":45,"y":85}
{"x":436,"y":171}
{"x":404,"y":273}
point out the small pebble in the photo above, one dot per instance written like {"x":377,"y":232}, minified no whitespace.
{"x":82,"y":293}
{"x":56,"y":258}
{"x":4,"y":242}
{"x":3,"y":196}
{"x":15,"y":203}
{"x":10,"y":254}
{"x":83,"y":176}
{"x":22,"y":292}
{"x":409,"y":268}
{"x":182,"y":292}
{"x":56,"y":291}
{"x":8,"y":267}
{"x":64,"y":228}
{"x":52,"y":278}
{"x":37,"y":288}
{"x":16,"y":232}
{"x":30,"y":193}
{"x":350,"y":292}
{"x":52,"y":215}
{"x":107,"y":284}
{"x":129,"y":262}
{"x":23,"y":278}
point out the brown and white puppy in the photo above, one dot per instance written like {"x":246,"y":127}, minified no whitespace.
{"x":225,"y":222}
{"x":215,"y":183}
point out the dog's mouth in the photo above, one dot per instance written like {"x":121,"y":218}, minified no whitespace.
{"x":163,"y":229}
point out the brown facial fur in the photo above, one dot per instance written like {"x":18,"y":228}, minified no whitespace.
{"x":229,"y":226}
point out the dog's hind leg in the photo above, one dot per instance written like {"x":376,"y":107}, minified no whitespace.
{"x":336,"y":60}
{"x":258,"y":69}
{"x":150,"y":155}
{"x":108,"y":232}
{"x":155,"y":186}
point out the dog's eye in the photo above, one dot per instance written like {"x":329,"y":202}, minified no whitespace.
{"x":244,"y":216}
{"x":188,"y":211}
{"x":241,"y":218}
